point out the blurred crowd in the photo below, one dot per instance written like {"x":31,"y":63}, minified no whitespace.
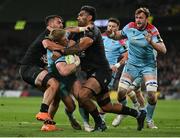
{"x":169,"y":69}
{"x":10,"y":54}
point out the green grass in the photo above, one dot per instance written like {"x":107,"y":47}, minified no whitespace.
{"x":17,"y":120}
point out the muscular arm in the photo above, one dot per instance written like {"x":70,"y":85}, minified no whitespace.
{"x":159,"y":47}
{"x":51,"y":45}
{"x":124,"y":58}
{"x":76,"y":29}
{"x":115,"y":35}
{"x":83,"y":44}
{"x":65,"y":69}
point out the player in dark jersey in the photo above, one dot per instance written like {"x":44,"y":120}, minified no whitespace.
{"x":32,"y":70}
{"x":93,"y":61}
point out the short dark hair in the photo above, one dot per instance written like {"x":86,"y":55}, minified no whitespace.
{"x":91,"y":10}
{"x":49,"y":17}
{"x":144,"y":10}
{"x":115,"y":20}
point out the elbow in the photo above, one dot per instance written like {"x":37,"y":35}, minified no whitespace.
{"x":45,"y":43}
{"x":63,"y":71}
{"x":164,"y":51}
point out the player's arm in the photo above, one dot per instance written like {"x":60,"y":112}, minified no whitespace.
{"x":78,"y":29}
{"x":48,"y":44}
{"x":159,"y":46}
{"x":124,"y":58}
{"x":83,"y":44}
{"x":65,"y":69}
{"x":122,"y":61}
{"x":116,"y":35}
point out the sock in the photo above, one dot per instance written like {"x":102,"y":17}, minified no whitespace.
{"x":69,"y":114}
{"x":44,"y":108}
{"x":133,"y":97}
{"x":96,"y":116}
{"x":150,"y":111}
{"x":84,"y":114}
{"x":129,"y":111}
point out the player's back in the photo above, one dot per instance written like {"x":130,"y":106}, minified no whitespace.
{"x":36,"y":52}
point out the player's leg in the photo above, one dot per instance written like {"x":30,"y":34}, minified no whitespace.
{"x":150,"y":78}
{"x":51,"y":85}
{"x":85,"y":117}
{"x":81,"y":76}
{"x":69,"y":109}
{"x":123,"y":88}
{"x":104,"y":102}
{"x":133,"y":92}
{"x":85,"y":96}
{"x":40,"y":78}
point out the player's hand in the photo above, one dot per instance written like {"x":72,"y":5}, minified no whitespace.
{"x":86,"y":28}
{"x":114,"y":69}
{"x":148,"y":37}
{"x":76,"y":60}
{"x":110,"y":33}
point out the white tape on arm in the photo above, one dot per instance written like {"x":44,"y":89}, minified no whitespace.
{"x":117,"y":65}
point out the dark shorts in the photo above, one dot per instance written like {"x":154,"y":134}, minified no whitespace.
{"x":103,"y":76}
{"x":29,"y":73}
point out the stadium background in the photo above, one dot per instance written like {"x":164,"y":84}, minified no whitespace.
{"x":21,"y":21}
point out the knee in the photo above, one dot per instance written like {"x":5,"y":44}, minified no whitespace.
{"x":151,"y":89}
{"x":121,"y":93}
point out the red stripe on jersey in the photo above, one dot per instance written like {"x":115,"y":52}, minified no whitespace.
{"x":122,"y":42}
{"x":152,"y":29}
{"x":104,"y":34}
{"x":132,"y":25}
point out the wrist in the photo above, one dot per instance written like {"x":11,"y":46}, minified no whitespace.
{"x":117,"y":65}
{"x":81,"y":29}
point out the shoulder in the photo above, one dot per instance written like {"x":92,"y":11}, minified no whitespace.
{"x":132,"y":25}
{"x":151,"y":28}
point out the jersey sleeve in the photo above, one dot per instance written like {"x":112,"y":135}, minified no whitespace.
{"x":124,"y":31}
{"x":60,"y":59}
{"x":156,"y":35}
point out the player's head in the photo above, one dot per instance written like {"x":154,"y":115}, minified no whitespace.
{"x":54,"y":21}
{"x":113,"y":24}
{"x":86,"y":15}
{"x":58,"y":36}
{"x":141,"y":17}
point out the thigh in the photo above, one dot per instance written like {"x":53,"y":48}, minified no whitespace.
{"x":93,"y":85}
{"x":99,"y":79}
{"x":149,"y":73}
{"x":31,"y":74}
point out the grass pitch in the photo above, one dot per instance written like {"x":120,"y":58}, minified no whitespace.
{"x":17,"y":119}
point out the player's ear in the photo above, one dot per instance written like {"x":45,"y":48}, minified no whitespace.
{"x":89,"y":17}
